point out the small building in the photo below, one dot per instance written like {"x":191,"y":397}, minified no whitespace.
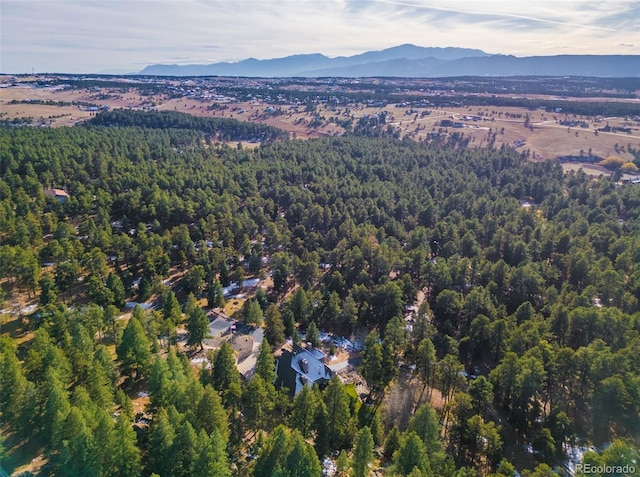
{"x":301,"y":367}
{"x":59,"y":194}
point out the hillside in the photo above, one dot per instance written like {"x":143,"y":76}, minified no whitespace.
{"x":473,"y":293}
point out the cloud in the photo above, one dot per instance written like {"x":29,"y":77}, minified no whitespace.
{"x":94,"y":35}
{"x":553,"y":17}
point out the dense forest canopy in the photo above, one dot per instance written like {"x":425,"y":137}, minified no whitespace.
{"x":221,"y":129}
{"x":530,"y":279}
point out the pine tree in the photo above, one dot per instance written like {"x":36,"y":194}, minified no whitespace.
{"x":377,"y":428}
{"x":343,"y":464}
{"x":159,"y":383}
{"x":48,"y":290}
{"x":187,"y":443}
{"x":302,"y":460}
{"x":339,"y":415}
{"x":255,"y":262}
{"x":273,"y":453}
{"x":197,"y":327}
{"x":210,"y":414}
{"x":225,"y":375}
{"x":412,"y":454}
{"x":426,"y":426}
{"x":133,"y":351}
{"x":225,"y":279}
{"x":251,"y":312}
{"x":300,"y":306}
{"x":289,"y":323}
{"x":313,"y":335}
{"x":392,"y":442}
{"x":362,"y":453}
{"x":211,"y":455}
{"x":262,"y":299}
{"x":323,"y":431}
{"x":373,"y":364}
{"x":274,"y":326}
{"x":103,"y":360}
{"x":114,"y":283}
{"x":426,"y":365}
{"x":126,"y":454}
{"x":162,"y":445}
{"x":77,"y":453}
{"x":99,"y":387}
{"x":266,"y":363}
{"x":145,"y":288}
{"x":194,"y":279}
{"x":257,"y":402}
{"x":305,"y":406}
{"x":14,"y":386}
{"x":56,"y":409}
{"x":286,"y":454}
{"x":481,"y":392}
{"x":171,"y":309}
{"x":215,"y":296}
{"x":104,"y":436}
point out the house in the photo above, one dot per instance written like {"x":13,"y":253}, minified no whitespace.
{"x":59,"y":194}
{"x":301,"y":367}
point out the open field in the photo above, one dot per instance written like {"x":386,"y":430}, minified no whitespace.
{"x":544,"y":138}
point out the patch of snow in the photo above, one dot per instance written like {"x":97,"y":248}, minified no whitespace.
{"x":252,"y":282}
{"x":344,"y":343}
{"x":328,"y":467}
{"x":132,"y":304}
{"x":574,"y":456}
{"x":200,"y":361}
{"x":27,"y":310}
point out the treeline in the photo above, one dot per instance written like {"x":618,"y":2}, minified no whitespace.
{"x":582,"y":108}
{"x":540,"y":303}
{"x":575,"y":86}
{"x":219,"y":128}
{"x":53,"y":103}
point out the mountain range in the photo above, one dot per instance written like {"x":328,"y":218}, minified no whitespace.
{"x":413,"y":61}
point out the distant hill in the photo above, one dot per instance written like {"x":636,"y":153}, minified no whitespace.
{"x":414,"y":61}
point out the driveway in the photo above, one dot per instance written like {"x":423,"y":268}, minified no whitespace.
{"x":219,"y":326}
{"x":247,"y":366}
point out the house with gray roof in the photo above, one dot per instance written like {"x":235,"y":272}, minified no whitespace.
{"x":301,"y":367}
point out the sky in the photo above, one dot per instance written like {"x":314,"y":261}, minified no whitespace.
{"x":124,"y":36}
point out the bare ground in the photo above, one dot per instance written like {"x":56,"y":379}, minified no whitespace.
{"x":544,"y":140}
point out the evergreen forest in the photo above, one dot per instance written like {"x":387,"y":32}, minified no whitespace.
{"x":524,"y":281}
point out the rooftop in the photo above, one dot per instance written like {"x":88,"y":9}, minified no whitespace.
{"x":300,"y":367}
{"x":57,"y":193}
